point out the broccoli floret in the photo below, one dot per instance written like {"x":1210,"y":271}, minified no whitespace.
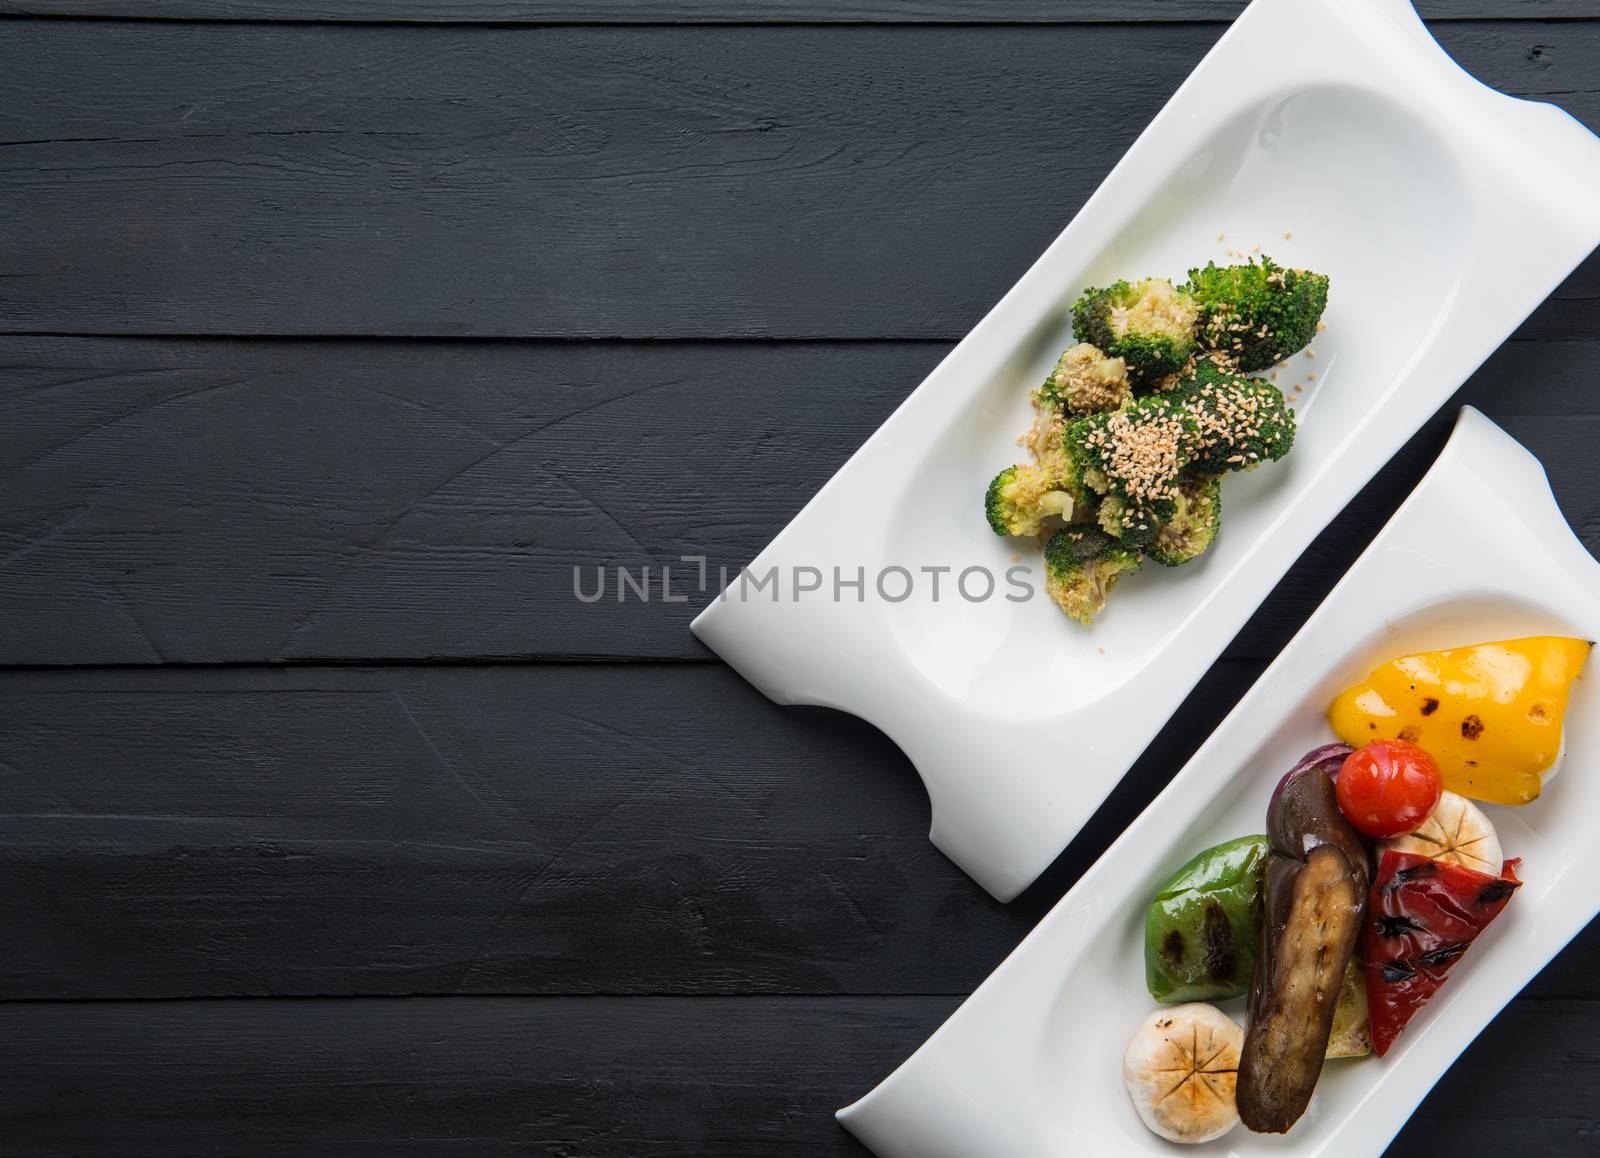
{"x":1133,"y":525}
{"x":1258,"y":314}
{"x":1087,"y":381}
{"x":1193,"y":526}
{"x":1082,"y":565}
{"x":1134,"y":457}
{"x":1239,"y":422}
{"x":1021,"y":498}
{"x":1148,"y":324}
{"x":1046,"y":440}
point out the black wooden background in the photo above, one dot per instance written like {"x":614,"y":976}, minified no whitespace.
{"x":333,"y":333}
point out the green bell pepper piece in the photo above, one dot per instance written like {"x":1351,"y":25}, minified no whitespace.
{"x":1201,"y":932}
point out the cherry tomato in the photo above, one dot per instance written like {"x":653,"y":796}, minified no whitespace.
{"x":1388,"y":788}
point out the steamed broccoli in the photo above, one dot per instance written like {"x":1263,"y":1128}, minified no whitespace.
{"x":1239,"y":422}
{"x":1046,"y":440}
{"x":1086,"y":381}
{"x":1021,"y":498}
{"x":1193,"y":526}
{"x":1257,"y":314}
{"x":1134,"y":457}
{"x":1134,"y":525}
{"x":1082,"y":564}
{"x":1149,"y":324}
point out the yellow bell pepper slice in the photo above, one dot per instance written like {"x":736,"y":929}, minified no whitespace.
{"x":1490,"y":714}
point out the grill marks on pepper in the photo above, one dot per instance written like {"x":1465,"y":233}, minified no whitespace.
{"x":1471,"y":727}
{"x":1397,"y":970}
{"x":1222,"y":949}
{"x":1173,"y":948}
{"x":1443,"y":955}
{"x":1429,"y":706}
{"x":1397,"y":926}
{"x":1416,"y":872}
{"x":1494,"y":891}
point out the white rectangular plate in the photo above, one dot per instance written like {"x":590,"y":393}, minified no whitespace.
{"x":1443,"y":212}
{"x":1030,"y":1065}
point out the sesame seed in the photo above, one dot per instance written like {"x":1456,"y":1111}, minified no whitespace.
{"x":1321,"y":326}
{"x":1310,"y":353}
{"x":1255,"y":249}
{"x":1016,"y":558}
{"x":1101,"y":650}
{"x":1222,"y":236}
{"x":1297,"y":387}
{"x":1311,"y":377}
{"x":1288,"y":235}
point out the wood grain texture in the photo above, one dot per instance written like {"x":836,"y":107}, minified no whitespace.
{"x":664,"y":916}
{"x":213,"y":501}
{"x":634,"y":829}
{"x":832,"y":182}
{"x":743,"y":11}
{"x":602,"y":1078}
{"x":558,"y":830}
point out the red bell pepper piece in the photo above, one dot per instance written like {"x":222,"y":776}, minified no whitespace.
{"x":1421,"y":917}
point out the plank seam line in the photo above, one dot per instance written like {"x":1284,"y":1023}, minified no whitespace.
{"x":492,"y":339}
{"x":664,"y":22}
{"x":335,"y":664}
{"x":511,"y":996}
{"x":740,"y":995}
{"x":557,"y":340}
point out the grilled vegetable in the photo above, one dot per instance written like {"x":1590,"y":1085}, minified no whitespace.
{"x":1423,"y":915}
{"x":1201,"y":931}
{"x":1456,"y":832}
{"x":1389,"y":787}
{"x":1180,"y":1070}
{"x":1490,"y":714}
{"x":1352,"y":1028}
{"x":1314,"y":895}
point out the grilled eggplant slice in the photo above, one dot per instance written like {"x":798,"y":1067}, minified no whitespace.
{"x":1315,"y":896}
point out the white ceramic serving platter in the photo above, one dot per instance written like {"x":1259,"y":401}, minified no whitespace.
{"x":1030,"y":1065}
{"x":1444,"y":213}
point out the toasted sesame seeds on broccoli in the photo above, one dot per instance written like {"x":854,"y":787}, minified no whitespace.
{"x":1021,"y":498}
{"x":1135,"y":526}
{"x":1194,"y":524}
{"x":1149,"y":324}
{"x":1086,"y":381}
{"x":1138,"y":422}
{"x":1259,"y":313}
{"x":1239,"y":422}
{"x":1134,"y":457}
{"x":1082,"y":565}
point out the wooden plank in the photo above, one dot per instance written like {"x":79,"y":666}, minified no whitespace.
{"x":640,"y":828}
{"x":604,"y":1078}
{"x":811,"y":181}
{"x":213,"y":501}
{"x":217,"y":501}
{"x":633,"y":829}
{"x":744,"y":11}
